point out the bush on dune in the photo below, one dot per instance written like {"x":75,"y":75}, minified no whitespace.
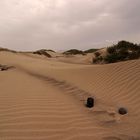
{"x":98,"y":58}
{"x":42,"y":52}
{"x":97,"y":54}
{"x":90,"y":50}
{"x":51,"y":51}
{"x":73,"y":52}
{"x":121,"y":52}
{"x":7,"y":50}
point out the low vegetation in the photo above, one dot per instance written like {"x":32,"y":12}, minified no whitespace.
{"x":7,"y":50}
{"x":73,"y":52}
{"x":51,"y":51}
{"x":90,"y":51}
{"x":42,"y":52}
{"x":120,"y":52}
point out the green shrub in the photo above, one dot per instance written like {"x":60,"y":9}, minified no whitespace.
{"x":111,"y":49}
{"x":7,"y":50}
{"x":42,"y":52}
{"x":73,"y":52}
{"x":97,"y":54}
{"x":94,"y":60}
{"x":97,"y":59}
{"x":50,"y":50}
{"x":120,"y":52}
{"x":112,"y":58}
{"x":90,"y":50}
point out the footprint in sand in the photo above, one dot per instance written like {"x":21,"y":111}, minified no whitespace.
{"x":107,"y":116}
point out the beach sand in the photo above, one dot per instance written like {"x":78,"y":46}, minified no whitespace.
{"x":44,"y":99}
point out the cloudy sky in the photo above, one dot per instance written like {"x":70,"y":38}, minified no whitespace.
{"x":64,"y":24}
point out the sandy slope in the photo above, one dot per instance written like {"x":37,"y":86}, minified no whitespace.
{"x":44,"y":99}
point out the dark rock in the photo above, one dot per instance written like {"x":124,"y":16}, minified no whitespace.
{"x":90,"y":102}
{"x":122,"y":111}
{"x":4,"y":68}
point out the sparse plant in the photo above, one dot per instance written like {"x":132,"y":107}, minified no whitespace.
{"x":97,"y":54}
{"x":90,"y":50}
{"x":74,"y":52}
{"x":97,"y":59}
{"x":42,"y":52}
{"x":111,"y":49}
{"x":120,"y":52}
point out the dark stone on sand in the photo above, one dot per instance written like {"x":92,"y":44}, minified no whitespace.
{"x":122,"y":111}
{"x":90,"y":102}
{"x":4,"y":68}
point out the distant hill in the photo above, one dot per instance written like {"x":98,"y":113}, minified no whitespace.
{"x":76,"y":51}
{"x":42,"y":52}
{"x":73,"y":52}
{"x":7,"y":50}
{"x":51,"y":51}
{"x":91,"y":50}
{"x":122,"y":51}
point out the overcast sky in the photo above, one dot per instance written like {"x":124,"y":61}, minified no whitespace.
{"x":65,"y":24}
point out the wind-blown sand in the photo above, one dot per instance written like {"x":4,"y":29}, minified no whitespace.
{"x":44,"y":99}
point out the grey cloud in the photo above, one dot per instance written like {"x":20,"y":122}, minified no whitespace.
{"x":64,"y":24}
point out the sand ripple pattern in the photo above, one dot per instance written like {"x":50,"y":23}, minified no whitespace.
{"x":58,"y":112}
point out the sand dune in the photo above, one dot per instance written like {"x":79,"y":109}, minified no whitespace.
{"x":45,"y":99}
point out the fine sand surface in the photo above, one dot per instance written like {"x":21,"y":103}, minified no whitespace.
{"x":44,"y":99}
